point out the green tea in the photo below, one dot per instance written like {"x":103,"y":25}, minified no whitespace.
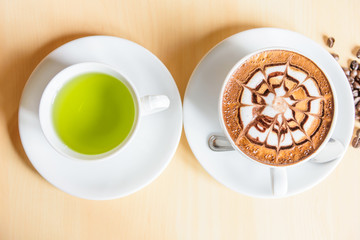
{"x":93,"y":113}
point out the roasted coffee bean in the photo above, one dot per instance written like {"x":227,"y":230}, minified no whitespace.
{"x":353,"y":73}
{"x":357,"y":79}
{"x":356,"y":85}
{"x":356,"y":142}
{"x":358,"y":54}
{"x":335,"y":56}
{"x":358,"y":75}
{"x":354,"y":65}
{"x":351,"y":80}
{"x":330,"y":42}
{"x":356,"y":100}
{"x":346,"y":71}
{"x":355,"y":93}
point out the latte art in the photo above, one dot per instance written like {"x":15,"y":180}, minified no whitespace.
{"x":278,"y":107}
{"x":282,"y":111}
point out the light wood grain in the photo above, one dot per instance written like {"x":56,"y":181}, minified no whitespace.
{"x":184,"y":202}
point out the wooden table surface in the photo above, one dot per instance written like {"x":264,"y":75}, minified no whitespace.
{"x":184,"y":202}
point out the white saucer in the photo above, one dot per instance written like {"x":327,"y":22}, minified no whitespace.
{"x":201,"y":117}
{"x":143,"y":159}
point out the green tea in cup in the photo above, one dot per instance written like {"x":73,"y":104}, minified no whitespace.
{"x":90,"y":111}
{"x":93,"y":113}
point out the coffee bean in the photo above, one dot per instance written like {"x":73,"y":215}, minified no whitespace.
{"x":335,"y":56}
{"x":357,"y":79}
{"x":353,"y":73}
{"x":330,"y":42}
{"x":354,"y":65}
{"x":346,"y":71}
{"x":356,"y":85}
{"x":355,"y":93}
{"x":358,"y":54}
{"x":351,"y":80}
{"x":356,"y":100}
{"x":356,"y":142}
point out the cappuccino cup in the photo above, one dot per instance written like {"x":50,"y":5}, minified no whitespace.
{"x":278,"y":109}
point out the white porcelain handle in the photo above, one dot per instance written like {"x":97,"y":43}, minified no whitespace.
{"x":279,"y":182}
{"x":332,"y":150}
{"x":153,"y":103}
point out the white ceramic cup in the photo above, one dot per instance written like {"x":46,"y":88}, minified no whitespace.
{"x":144,"y":105}
{"x":329,"y":150}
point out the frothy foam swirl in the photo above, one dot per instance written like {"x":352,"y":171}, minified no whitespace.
{"x":279,"y":106}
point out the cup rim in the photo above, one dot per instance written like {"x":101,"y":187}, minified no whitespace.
{"x":49,"y":94}
{"x":333,"y":123}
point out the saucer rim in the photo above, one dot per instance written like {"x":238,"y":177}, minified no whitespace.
{"x":178,"y":124}
{"x":197,"y":153}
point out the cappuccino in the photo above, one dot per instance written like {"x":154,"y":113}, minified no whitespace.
{"x":278,"y":107}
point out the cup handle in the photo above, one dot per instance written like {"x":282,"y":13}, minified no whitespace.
{"x":153,"y":103}
{"x":279,"y":181}
{"x":332,"y":150}
{"x":219,"y":143}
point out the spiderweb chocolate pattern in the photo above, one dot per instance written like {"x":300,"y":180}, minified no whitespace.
{"x":278,"y":107}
